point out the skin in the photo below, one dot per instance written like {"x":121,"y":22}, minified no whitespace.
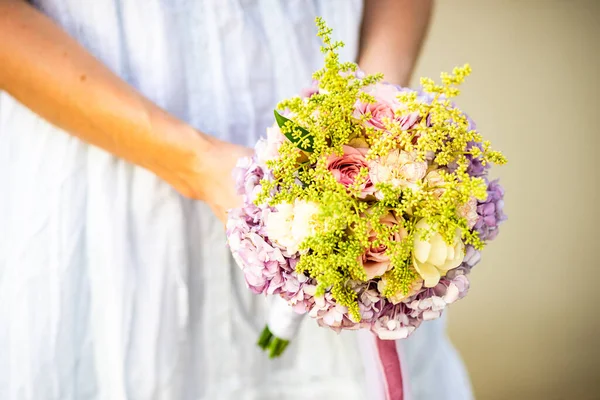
{"x":49,"y":72}
{"x":392,"y":35}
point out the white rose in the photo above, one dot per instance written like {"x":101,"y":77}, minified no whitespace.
{"x":433,"y":257}
{"x":291,"y":224}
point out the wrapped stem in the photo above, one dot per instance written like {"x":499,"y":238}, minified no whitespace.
{"x":283,"y":324}
{"x":272,"y":344}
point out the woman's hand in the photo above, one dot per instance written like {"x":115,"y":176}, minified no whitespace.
{"x":211,"y":180}
{"x":220,"y":193}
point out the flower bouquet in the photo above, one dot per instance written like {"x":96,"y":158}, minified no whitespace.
{"x":366,"y":206}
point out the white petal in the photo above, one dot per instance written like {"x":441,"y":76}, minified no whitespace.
{"x":429,"y":273}
{"x":392,"y":324}
{"x":451,"y":294}
{"x":426,"y":303}
{"x":450,"y":253}
{"x":422,"y":249}
{"x":401,"y":333}
{"x":429,"y":315}
{"x":310,"y":290}
{"x":438,"y":303}
{"x":459,"y":255}
{"x":438,"y":253}
{"x":319,"y":301}
{"x":329,"y":319}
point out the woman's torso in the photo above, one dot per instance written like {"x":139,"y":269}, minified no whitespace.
{"x":111,"y":285}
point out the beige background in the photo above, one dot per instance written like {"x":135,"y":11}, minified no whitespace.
{"x":529,"y":328}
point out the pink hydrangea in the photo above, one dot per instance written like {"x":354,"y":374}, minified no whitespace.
{"x":267,"y":268}
{"x":431,"y":302}
{"x":330,"y":314}
{"x":395,"y":322}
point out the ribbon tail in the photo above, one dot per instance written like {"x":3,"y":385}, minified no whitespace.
{"x":389,"y":361}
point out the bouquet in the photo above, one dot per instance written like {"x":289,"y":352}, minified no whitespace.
{"x":367,"y":204}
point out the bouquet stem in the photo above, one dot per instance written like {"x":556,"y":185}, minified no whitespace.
{"x":272,"y":344}
{"x":282,"y":325}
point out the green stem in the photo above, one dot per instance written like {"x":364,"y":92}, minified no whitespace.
{"x":265,"y":338}
{"x":277,"y":347}
{"x":272,"y":344}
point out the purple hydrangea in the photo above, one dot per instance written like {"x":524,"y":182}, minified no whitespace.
{"x":476,"y":168}
{"x":472,"y":257}
{"x":491,"y":213}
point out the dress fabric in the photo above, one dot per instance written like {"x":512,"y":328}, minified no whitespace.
{"x":112,"y":286}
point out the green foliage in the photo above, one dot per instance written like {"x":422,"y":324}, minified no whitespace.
{"x":295,"y":134}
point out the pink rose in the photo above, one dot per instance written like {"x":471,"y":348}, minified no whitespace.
{"x":386,"y":105}
{"x":408,"y":121}
{"x":388,"y":94}
{"x":375,"y":260}
{"x":309,"y":92}
{"x":385,"y":93}
{"x":379,"y":112}
{"x":346,"y":168}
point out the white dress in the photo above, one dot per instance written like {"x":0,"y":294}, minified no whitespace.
{"x":112,"y":286}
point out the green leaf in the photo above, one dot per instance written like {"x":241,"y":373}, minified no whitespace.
{"x":281,"y":121}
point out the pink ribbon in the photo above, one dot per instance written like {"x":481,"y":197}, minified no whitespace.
{"x":389,"y":359}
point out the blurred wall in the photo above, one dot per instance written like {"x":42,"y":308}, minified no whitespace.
{"x":529,"y":328}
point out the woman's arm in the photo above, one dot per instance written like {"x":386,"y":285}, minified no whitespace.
{"x":50,"y":73}
{"x":391,"y":37}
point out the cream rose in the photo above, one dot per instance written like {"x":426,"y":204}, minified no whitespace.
{"x":469,"y":212}
{"x":435,"y":181}
{"x":433,"y":257}
{"x":290,"y":224}
{"x":415,"y":287}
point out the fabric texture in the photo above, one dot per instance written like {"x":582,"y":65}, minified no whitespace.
{"x":112,"y":286}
